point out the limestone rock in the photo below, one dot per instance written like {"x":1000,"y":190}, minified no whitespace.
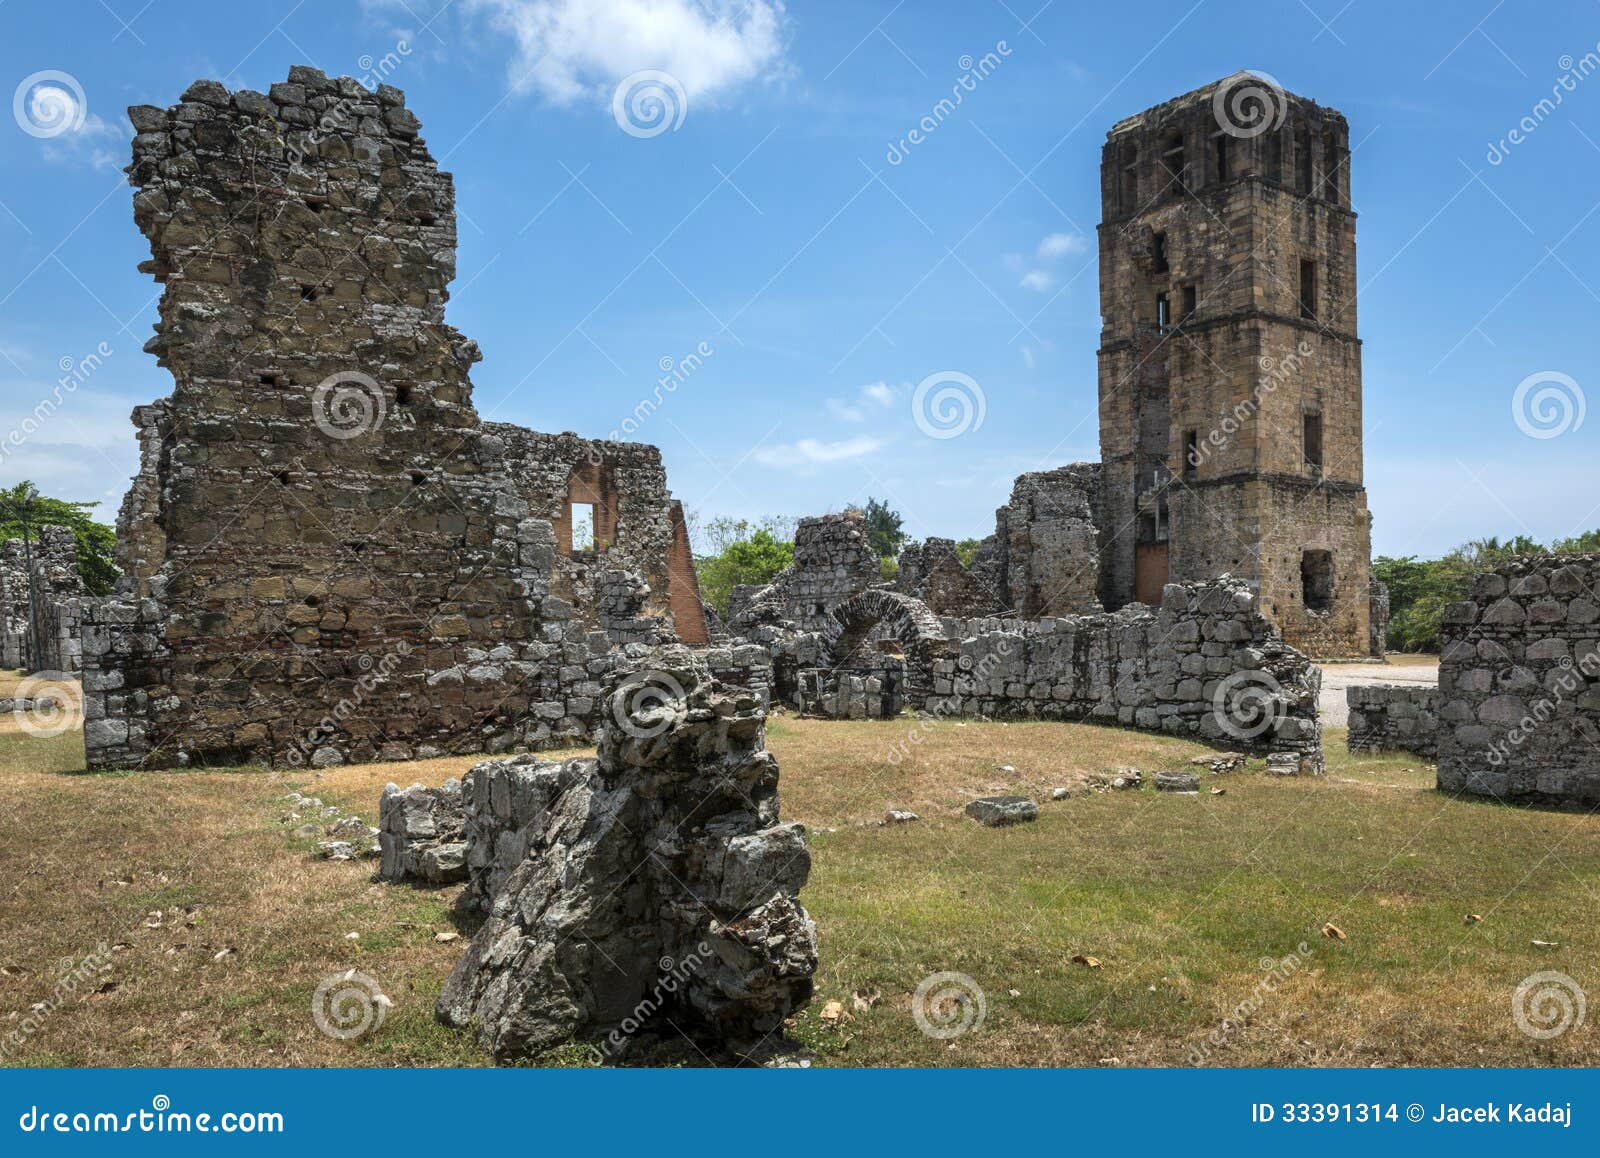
{"x":999,"y":811}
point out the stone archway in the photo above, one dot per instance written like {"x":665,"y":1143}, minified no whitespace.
{"x":848,"y":636}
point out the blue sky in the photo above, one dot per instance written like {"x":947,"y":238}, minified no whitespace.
{"x":826,"y":279}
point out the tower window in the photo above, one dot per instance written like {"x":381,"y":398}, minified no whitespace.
{"x":1161,"y":253}
{"x":1191,"y":453}
{"x":1313,"y":441}
{"x":1190,"y":300}
{"x":1316,"y":580}
{"x":1308,"y":290}
{"x":1222,"y":156}
{"x":1173,"y":161}
{"x":1130,"y":184}
{"x":1302,"y":161}
{"x":1163,"y":313}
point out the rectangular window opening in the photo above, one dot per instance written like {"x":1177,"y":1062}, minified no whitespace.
{"x":583,"y":526}
{"x":1163,"y":313}
{"x":1316,"y":580}
{"x":1302,"y":162}
{"x":1190,"y":300}
{"x":1308,"y":290}
{"x":1191,"y":453}
{"x":1161,"y":253}
{"x":1313,"y":441}
{"x":1222,"y":156}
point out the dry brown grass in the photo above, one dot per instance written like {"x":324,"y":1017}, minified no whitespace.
{"x":1178,"y":897}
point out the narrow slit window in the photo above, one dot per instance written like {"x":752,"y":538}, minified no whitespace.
{"x":1130,"y":188}
{"x":583,"y":526}
{"x":1190,"y":300}
{"x":1308,"y":290}
{"x":1163,"y":313}
{"x":1313,"y":441}
{"x":1302,"y":162}
{"x":1173,"y":160}
{"x":1222,"y":157}
{"x":1191,"y":453}
{"x":1161,"y":253}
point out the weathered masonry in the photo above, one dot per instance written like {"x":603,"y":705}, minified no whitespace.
{"x":1230,"y":369}
{"x":327,"y":555}
{"x":1519,"y":684}
{"x":39,"y":623}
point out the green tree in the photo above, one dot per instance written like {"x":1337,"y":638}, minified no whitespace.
{"x":967,"y":550}
{"x":748,"y":557}
{"x":96,"y":542}
{"x":885,"y":528}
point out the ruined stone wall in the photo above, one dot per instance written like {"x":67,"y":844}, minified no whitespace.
{"x":1378,"y":617}
{"x":46,"y":637}
{"x":1230,"y":399}
{"x":336,"y":559}
{"x":1044,"y":557}
{"x":932,"y":572}
{"x":1385,"y":717}
{"x":833,"y":561}
{"x":636,"y":525}
{"x":1207,"y":665}
{"x":1519,"y":683}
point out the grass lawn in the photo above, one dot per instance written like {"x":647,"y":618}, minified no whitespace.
{"x":222,"y":924}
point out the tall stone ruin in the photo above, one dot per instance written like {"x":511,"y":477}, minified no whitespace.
{"x":327,"y":555}
{"x":1230,"y":369}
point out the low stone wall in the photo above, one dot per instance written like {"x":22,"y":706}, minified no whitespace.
{"x":1206,"y":665}
{"x":1394,"y":717}
{"x":1519,"y":683}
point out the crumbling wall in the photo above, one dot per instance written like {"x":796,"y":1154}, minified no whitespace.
{"x":833,"y":561}
{"x":327,"y":555}
{"x":420,"y":834}
{"x":1379,"y":612}
{"x":656,"y":890}
{"x":637,"y":526}
{"x":1044,"y":557}
{"x":932,"y":572}
{"x":1519,"y":683}
{"x":1402,"y":717}
{"x":46,"y":634}
{"x":1207,"y":664}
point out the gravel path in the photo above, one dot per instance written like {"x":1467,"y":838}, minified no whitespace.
{"x":1336,"y":677}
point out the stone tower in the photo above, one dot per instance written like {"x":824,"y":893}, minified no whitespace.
{"x":1230,"y":370}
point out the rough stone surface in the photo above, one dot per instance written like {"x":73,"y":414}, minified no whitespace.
{"x":48,"y":637}
{"x":421,"y":834}
{"x":833,"y":562}
{"x":1394,"y":717}
{"x":327,"y":556}
{"x":1519,"y":683}
{"x":1207,"y":664}
{"x":1044,"y":557}
{"x":657,"y":892}
{"x":1000,"y":811}
{"x":1177,"y":782}
{"x":1228,"y":352}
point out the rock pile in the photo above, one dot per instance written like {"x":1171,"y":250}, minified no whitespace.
{"x":420,"y":832}
{"x":657,"y":891}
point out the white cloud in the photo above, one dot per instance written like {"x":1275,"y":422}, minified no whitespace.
{"x":567,"y":50}
{"x":1037,"y":280}
{"x":1058,"y":245}
{"x":873,"y":396}
{"x":811,"y":451}
{"x":103,"y":146}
